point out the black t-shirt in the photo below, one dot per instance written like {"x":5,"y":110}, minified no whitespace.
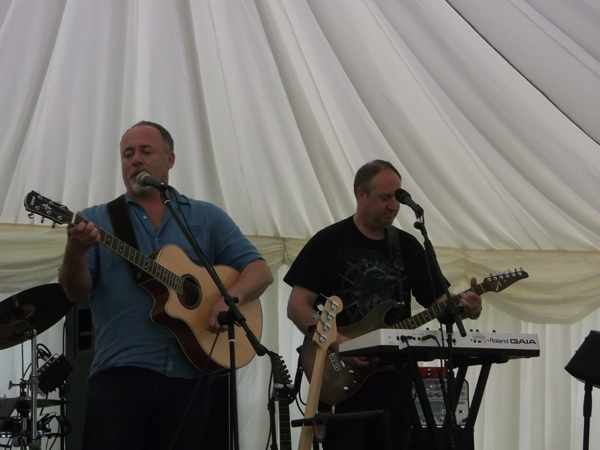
{"x":339,"y":260}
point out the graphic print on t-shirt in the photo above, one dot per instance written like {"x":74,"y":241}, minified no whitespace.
{"x":368,"y":280}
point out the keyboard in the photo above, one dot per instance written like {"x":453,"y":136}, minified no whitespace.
{"x":430,"y":344}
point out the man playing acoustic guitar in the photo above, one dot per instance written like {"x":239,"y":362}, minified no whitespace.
{"x":142,"y":379}
{"x":353,"y":260}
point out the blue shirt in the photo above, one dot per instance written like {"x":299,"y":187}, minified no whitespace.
{"x":124,"y":332}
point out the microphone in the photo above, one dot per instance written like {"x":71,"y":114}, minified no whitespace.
{"x":404,"y":197}
{"x":145,"y":179}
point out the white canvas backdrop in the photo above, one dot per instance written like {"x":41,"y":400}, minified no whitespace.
{"x":487,"y":109}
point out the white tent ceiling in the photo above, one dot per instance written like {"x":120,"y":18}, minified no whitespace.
{"x":490,"y":110}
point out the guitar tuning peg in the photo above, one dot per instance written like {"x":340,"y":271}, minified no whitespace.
{"x":31,"y":216}
{"x":315,"y":316}
{"x":53,"y":224}
{"x":42,"y":221}
{"x":320,"y":307}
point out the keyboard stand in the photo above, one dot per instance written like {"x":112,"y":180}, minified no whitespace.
{"x":418,"y":429}
{"x":440,"y":441}
{"x":486,"y":366}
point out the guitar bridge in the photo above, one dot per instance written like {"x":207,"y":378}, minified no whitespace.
{"x":336,"y":362}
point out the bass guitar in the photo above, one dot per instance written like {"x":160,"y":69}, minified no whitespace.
{"x":183,"y":292}
{"x":323,"y":337}
{"x":341,"y":381}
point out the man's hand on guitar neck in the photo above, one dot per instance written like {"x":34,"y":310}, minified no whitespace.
{"x":470,"y":301}
{"x":81,"y":237}
{"x":352,"y":361}
{"x":73,"y":275}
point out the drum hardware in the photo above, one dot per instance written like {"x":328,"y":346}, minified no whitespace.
{"x":22,"y":317}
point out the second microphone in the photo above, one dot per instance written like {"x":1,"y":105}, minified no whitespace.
{"x":404,"y":197}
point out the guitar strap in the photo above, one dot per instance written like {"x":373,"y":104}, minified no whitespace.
{"x":118,"y":211}
{"x":395,"y":255}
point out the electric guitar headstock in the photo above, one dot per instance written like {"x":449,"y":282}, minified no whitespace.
{"x":501,"y":280}
{"x":281,"y":378}
{"x":283,"y":392}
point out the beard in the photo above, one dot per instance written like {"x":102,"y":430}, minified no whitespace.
{"x":142,"y":191}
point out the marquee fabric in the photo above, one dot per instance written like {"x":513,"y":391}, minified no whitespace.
{"x":489,"y":110}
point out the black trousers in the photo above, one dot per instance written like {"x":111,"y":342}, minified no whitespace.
{"x":132,"y":408}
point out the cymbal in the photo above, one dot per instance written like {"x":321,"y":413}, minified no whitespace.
{"x":39,"y":308}
{"x":25,"y":403}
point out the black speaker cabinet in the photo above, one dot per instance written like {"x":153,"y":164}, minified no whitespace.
{"x":79,"y":352}
{"x":585,"y":363}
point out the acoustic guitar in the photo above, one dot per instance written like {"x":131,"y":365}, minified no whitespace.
{"x":183,"y":292}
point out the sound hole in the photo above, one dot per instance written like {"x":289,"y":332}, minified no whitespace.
{"x":192,"y":292}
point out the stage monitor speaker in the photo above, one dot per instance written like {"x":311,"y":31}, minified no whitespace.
{"x":585,"y":363}
{"x":79,"y":352}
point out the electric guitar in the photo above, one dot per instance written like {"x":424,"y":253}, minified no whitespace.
{"x":183,"y":292}
{"x":282,"y":392}
{"x":323,"y":337}
{"x":341,"y":381}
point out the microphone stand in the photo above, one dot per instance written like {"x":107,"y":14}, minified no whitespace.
{"x":447,"y":316}
{"x":231,"y":317}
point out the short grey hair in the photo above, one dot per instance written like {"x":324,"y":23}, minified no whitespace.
{"x":364,"y":175}
{"x":167,"y":139}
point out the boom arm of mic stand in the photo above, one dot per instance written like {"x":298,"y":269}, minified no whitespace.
{"x":450,"y":305}
{"x":234,"y":313}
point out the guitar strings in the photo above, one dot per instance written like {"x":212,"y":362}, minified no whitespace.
{"x":187,"y":286}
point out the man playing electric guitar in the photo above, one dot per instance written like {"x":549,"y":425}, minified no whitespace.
{"x":353,"y":260}
{"x":141,"y":382}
